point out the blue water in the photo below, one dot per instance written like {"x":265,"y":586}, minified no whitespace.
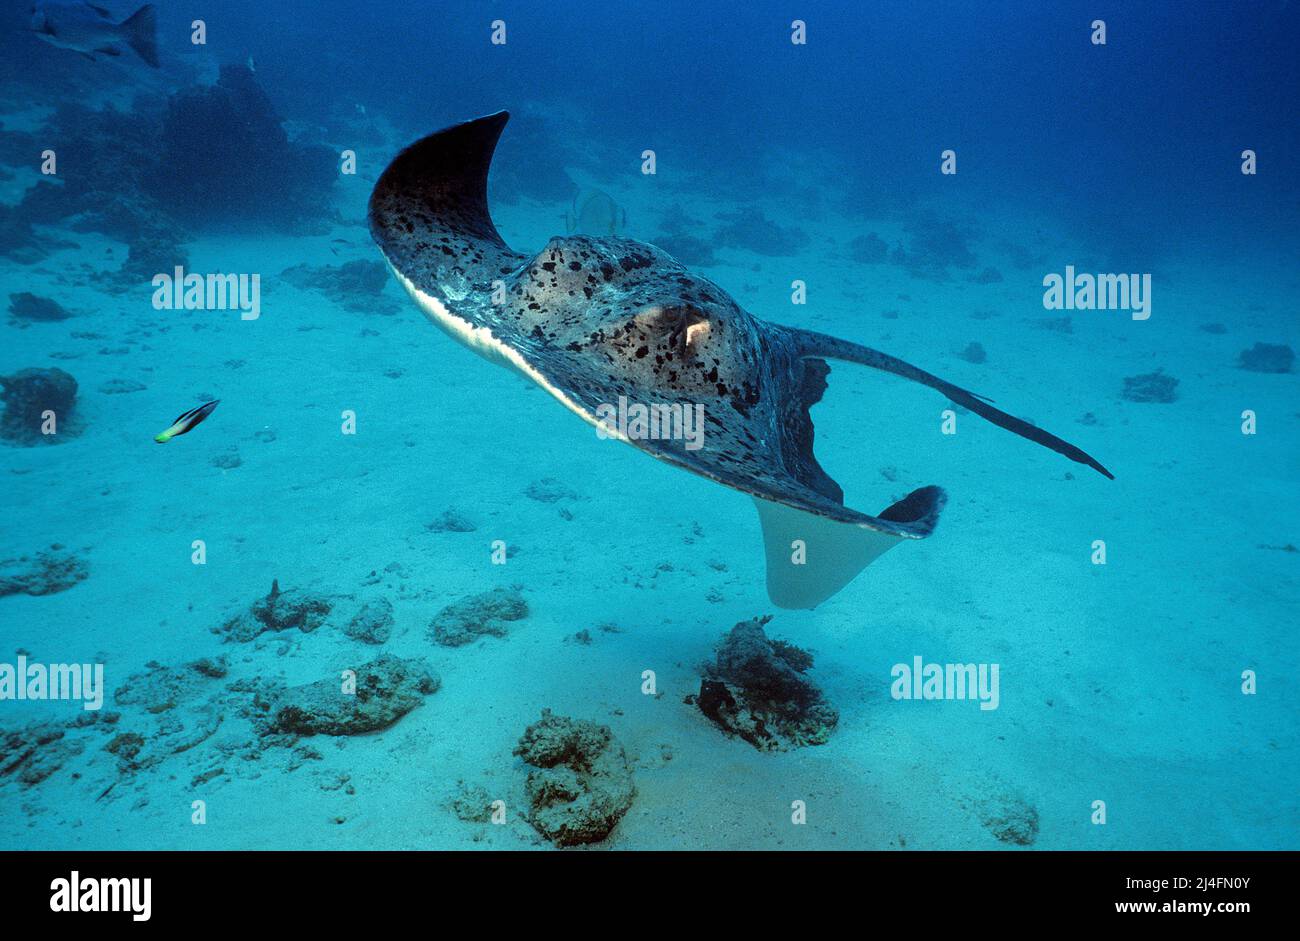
{"x":1143,"y":627}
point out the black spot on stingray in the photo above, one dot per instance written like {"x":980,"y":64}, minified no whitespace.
{"x":641,"y":353}
{"x":548,"y":265}
{"x":575,"y":266}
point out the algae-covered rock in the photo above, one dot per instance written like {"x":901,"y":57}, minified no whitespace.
{"x":28,"y":395}
{"x":485,"y":614}
{"x":581,"y":784}
{"x":278,"y":611}
{"x":756,"y":689}
{"x":27,"y":306}
{"x":1268,"y":357}
{"x":387,"y":688}
{"x":373,"y":624}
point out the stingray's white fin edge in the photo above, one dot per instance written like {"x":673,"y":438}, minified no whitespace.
{"x":810,"y":557}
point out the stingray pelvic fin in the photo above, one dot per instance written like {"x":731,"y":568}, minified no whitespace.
{"x":811,"y":343}
{"x":810,"y":557}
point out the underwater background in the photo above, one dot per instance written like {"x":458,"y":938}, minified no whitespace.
{"x":476,"y":555}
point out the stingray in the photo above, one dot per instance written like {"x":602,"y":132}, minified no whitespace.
{"x":602,"y":320}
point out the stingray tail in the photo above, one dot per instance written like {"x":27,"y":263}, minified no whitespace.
{"x":810,"y":343}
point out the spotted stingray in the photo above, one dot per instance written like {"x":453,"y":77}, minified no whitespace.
{"x":593,"y":319}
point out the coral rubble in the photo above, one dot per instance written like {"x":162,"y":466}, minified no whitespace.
{"x":46,"y":573}
{"x":1151,"y":387}
{"x":1010,"y":818}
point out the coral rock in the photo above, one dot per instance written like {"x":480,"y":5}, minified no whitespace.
{"x":756,"y":690}
{"x":27,"y":395}
{"x":581,"y":784}
{"x":278,"y":611}
{"x":1268,"y":357}
{"x":373,"y":624}
{"x":488,"y":613}
{"x":387,"y":688}
{"x":27,"y":306}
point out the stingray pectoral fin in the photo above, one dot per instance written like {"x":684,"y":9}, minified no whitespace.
{"x":811,"y":343}
{"x":811,"y":557}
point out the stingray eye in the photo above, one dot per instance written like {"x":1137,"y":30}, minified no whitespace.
{"x":696,"y":332}
{"x":687,"y":328}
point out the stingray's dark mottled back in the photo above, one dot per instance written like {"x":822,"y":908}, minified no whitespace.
{"x":429,"y":209}
{"x":598,"y":320}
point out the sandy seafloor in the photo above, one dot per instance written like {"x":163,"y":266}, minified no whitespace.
{"x":1119,"y":683}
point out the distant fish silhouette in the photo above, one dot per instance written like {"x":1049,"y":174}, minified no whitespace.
{"x":89,"y":29}
{"x":187,"y":420}
{"x":594,"y":213}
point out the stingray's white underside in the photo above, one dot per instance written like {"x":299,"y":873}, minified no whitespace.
{"x":810,"y":557}
{"x":833,"y":553}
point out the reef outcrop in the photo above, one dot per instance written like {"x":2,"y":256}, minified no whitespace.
{"x":28,"y":394}
{"x":226,"y":151}
{"x":756,"y":689}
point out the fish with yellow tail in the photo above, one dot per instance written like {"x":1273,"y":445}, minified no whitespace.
{"x":187,"y":421}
